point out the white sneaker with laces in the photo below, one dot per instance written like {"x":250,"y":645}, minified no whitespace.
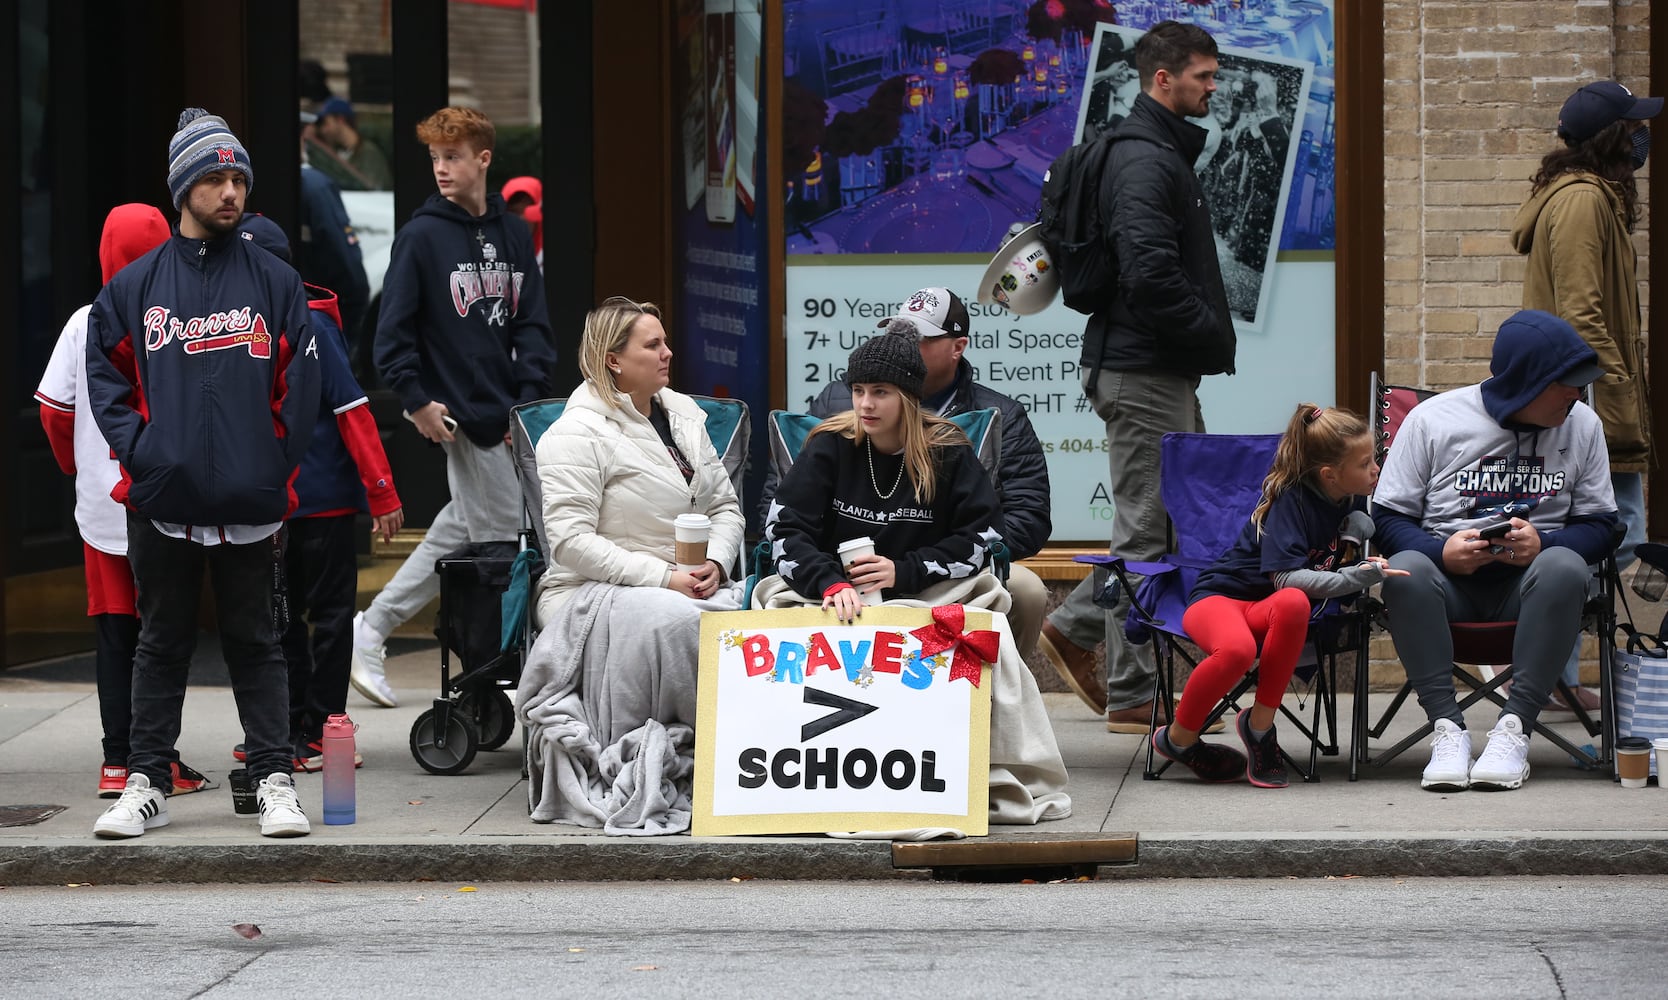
{"x":281,"y":814}
{"x":1450,"y":766}
{"x":140,"y":808}
{"x":369,"y":676}
{"x":1505,"y":761}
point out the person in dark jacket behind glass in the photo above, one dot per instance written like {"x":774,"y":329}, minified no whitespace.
{"x":1164,"y":326}
{"x":203,"y":375}
{"x":461,"y":338}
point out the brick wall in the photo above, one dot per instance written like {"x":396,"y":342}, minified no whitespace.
{"x":488,"y":48}
{"x":1471,"y":96}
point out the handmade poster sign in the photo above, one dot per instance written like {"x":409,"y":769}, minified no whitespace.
{"x":806,"y":725}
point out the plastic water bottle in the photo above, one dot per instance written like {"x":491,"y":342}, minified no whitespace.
{"x":338,"y":771}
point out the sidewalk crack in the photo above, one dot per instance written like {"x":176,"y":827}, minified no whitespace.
{"x":227,"y":977}
{"x":1557,"y":980}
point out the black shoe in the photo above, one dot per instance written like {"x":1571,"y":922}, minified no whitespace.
{"x":1263,"y":767}
{"x":1212,"y":762}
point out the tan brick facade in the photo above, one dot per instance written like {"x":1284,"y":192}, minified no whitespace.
{"x":1471,"y":96}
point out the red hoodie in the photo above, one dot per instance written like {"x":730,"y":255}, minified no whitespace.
{"x":130,"y":232}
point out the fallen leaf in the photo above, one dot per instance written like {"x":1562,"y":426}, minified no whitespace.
{"x":249,"y":931}
{"x":415,"y":802}
{"x":1027,"y":881}
{"x":644,"y":968}
{"x":331,"y":881}
{"x":466,"y":888}
{"x":76,"y":885}
{"x":576,"y":949}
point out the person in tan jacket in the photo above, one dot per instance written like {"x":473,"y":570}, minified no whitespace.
{"x":1576,"y":230}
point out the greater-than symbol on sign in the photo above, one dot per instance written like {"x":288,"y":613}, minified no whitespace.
{"x":848,"y":711}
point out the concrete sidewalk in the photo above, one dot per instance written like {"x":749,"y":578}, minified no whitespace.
{"x":474,"y":826}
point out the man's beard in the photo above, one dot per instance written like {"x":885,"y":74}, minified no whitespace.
{"x":214,"y":225}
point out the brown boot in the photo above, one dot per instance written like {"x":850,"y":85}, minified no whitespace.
{"x":1074,"y":664}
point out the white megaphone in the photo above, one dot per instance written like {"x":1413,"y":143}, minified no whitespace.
{"x":1021,"y":277}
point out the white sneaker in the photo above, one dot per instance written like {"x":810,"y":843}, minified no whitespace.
{"x":368,"y":675}
{"x":1505,"y":761}
{"x":140,"y":808}
{"x":281,"y":814}
{"x":1450,"y":766}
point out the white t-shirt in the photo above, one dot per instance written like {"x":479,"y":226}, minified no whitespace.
{"x":101,"y":520}
{"x":1453,"y":467}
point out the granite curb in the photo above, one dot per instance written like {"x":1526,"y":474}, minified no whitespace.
{"x":611,"y":859}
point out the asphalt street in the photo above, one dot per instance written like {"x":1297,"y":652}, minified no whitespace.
{"x":1525,"y":937}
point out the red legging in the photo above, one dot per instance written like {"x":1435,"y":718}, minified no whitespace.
{"x":1228,"y":631}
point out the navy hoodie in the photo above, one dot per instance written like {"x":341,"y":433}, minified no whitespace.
{"x":463,"y":317}
{"x":204,"y":379}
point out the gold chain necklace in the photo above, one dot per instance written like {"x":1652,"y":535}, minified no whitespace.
{"x":883,"y":494}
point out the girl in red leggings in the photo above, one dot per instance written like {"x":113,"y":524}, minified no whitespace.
{"x":1292,"y":551}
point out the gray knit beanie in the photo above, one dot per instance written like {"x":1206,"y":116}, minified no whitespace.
{"x":204,"y":143}
{"x":888,"y":358}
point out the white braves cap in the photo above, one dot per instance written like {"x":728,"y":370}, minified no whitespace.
{"x":935,"y":312}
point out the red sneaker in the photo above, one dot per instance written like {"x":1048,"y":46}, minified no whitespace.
{"x":112,"y":778}
{"x":188,"y":780}
{"x":312,"y":757}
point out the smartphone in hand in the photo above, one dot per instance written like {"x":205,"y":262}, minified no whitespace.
{"x":1495,"y":530}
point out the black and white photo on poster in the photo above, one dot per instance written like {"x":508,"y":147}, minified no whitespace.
{"x":1247,"y":163}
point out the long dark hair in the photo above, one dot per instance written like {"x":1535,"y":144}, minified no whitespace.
{"x":1609,"y":155}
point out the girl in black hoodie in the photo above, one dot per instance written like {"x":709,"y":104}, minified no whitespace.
{"x":890,"y":472}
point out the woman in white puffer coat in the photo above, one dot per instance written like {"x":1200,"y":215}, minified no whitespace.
{"x":626,"y":457}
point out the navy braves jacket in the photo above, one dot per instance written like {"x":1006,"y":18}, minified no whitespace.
{"x":345,"y":470}
{"x":463,"y":319}
{"x":202,"y":374}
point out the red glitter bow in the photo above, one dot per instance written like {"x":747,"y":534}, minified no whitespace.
{"x":971,"y":649}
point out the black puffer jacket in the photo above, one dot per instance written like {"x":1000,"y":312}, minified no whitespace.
{"x":1171,"y":311}
{"x":1022,"y":480}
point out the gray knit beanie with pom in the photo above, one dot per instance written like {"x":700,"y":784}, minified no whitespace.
{"x":203,"y":144}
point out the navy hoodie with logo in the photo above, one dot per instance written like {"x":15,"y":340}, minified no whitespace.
{"x":203,"y":377}
{"x":463,"y":317}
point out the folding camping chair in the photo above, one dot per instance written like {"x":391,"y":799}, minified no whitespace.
{"x":1482,"y":643}
{"x":788,"y":431}
{"x":1210,"y":484}
{"x":486,"y":598}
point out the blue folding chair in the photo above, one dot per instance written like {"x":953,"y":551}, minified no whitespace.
{"x":788,"y":431}
{"x":1210,"y":484}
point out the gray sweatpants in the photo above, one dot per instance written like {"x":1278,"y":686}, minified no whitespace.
{"x":1139,"y":408}
{"x":1545,"y":600}
{"x":485,"y":506}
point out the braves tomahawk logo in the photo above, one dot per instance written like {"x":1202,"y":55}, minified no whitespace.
{"x":215,"y":332}
{"x":492,"y":279}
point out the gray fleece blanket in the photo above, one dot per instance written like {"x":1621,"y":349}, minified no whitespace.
{"x":598,"y":753}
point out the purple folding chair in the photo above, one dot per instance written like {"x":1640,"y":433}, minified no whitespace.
{"x":1210,"y":484}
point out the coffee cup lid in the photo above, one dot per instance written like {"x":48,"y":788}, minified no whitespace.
{"x":1633,"y":743}
{"x":856,"y":543}
{"x":693,"y":520}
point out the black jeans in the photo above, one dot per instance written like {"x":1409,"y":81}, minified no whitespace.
{"x":322,"y":572}
{"x":118,"y":636}
{"x":169,"y":575}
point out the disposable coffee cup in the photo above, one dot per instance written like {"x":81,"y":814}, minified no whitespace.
{"x":851,"y":550}
{"x":1661,"y":745}
{"x":243,"y":792}
{"x":1633,"y":761}
{"x":691,"y":531}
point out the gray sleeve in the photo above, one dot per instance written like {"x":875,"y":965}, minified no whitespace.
{"x":1322,"y":584}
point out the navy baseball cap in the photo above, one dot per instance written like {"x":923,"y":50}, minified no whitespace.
{"x":1596,"y":106}
{"x":340,"y":106}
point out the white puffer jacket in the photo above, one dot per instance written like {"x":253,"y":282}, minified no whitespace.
{"x":611,"y":492}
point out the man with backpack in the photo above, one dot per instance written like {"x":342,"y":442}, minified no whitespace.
{"x":1161,"y":325}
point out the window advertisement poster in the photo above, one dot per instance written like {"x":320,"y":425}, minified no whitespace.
{"x":719,"y":329}
{"x":807,"y":725}
{"x":917,"y":132}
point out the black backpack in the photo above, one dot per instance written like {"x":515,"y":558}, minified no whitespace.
{"x":1071,"y":225}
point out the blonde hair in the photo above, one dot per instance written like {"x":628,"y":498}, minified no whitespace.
{"x":608,"y":330}
{"x":923,"y":433}
{"x":1315,"y":436}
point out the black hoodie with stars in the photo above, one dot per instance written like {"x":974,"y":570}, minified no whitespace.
{"x":831,"y":495}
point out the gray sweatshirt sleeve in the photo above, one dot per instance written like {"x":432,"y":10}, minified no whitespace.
{"x":1322,"y":584}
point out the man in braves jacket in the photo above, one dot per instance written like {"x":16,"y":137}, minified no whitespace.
{"x":937,"y":318}
{"x":203,"y":376}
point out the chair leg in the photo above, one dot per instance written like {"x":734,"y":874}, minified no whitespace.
{"x":1395,"y":706}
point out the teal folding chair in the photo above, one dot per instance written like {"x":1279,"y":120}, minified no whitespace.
{"x":788,"y":431}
